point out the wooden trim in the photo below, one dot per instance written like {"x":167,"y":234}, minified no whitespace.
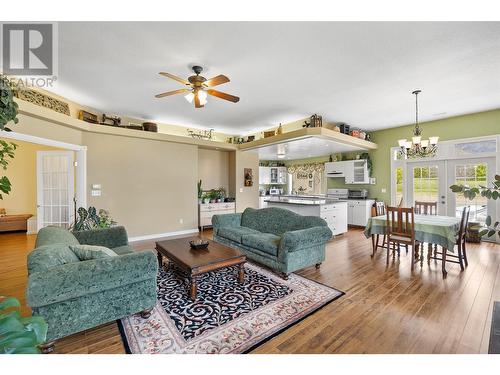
{"x":162,"y":235}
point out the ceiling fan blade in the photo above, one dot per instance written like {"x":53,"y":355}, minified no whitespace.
{"x":219,"y":80}
{"x":168,"y":93}
{"x":197,"y":103}
{"x":178,"y":79}
{"x":224,"y":96}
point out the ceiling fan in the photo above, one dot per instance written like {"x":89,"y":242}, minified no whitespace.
{"x":199,"y":88}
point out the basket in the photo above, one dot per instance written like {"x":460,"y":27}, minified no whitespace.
{"x":270,"y":133}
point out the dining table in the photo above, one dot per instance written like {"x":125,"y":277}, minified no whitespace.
{"x":430,"y":229}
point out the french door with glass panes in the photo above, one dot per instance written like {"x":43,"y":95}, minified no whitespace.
{"x":473,"y":172}
{"x":427,"y":183}
{"x":55,"y":188}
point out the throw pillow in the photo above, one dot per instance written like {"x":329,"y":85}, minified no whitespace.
{"x":89,"y":252}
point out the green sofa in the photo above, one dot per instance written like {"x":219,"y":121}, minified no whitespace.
{"x":275,"y":237}
{"x":74,"y":295}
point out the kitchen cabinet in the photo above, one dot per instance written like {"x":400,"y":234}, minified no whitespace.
{"x":207,"y":210}
{"x":272,"y":175}
{"x":264,"y":175}
{"x":359,"y":211}
{"x":262,"y":203}
{"x":282,"y":175}
{"x":335,"y":214}
{"x":353,"y":171}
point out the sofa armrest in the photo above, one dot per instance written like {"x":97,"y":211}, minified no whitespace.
{"x":226,"y":220}
{"x":107,"y":237}
{"x":76,"y":279}
{"x":303,"y":238}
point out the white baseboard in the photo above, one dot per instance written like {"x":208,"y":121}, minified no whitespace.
{"x":161,"y":235}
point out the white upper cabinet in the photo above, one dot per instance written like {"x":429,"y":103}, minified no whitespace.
{"x":264,"y":175}
{"x":353,"y":171}
{"x":272,"y":175}
{"x":335,"y":169}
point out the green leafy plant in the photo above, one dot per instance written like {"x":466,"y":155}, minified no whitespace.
{"x":369,"y":163}
{"x":200,"y":191}
{"x":6,"y":153}
{"x":484,"y":191}
{"x":8,"y":112}
{"x":212,"y":194}
{"x":221,"y":193}
{"x":90,"y":219}
{"x":19,"y":335}
{"x":8,"y":107}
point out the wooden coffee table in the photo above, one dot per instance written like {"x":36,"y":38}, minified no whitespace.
{"x":197,"y":262}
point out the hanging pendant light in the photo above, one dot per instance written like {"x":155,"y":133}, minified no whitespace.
{"x":418,"y":147}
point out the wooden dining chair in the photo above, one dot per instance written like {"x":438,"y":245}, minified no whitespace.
{"x":461,"y":257}
{"x":425,"y":208}
{"x":400,"y":204}
{"x":379,"y":210}
{"x":400,"y":225}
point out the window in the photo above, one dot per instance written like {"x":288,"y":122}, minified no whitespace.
{"x":474,"y":148}
{"x":399,"y":184}
{"x":473,"y":175}
{"x":425,"y":183}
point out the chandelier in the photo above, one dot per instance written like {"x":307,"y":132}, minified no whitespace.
{"x":418,"y":147}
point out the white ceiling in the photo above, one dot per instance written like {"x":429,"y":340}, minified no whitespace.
{"x":360,"y":73}
{"x":303,"y":148}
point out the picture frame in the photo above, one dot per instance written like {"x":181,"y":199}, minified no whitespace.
{"x":248,"y":177}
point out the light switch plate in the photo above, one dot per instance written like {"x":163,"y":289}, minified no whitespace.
{"x":384,"y":190}
{"x":241,"y":190}
{"x":96,"y":193}
{"x":96,"y":186}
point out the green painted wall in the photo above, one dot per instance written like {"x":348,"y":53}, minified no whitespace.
{"x":471,"y":125}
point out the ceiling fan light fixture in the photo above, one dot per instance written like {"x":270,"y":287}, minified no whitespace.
{"x":189,"y":97}
{"x":202,"y":95}
{"x":199,"y":88}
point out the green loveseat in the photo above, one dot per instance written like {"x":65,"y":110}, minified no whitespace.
{"x":275,"y":237}
{"x":74,"y":295}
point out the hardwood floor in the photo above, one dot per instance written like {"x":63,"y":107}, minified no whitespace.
{"x":386,"y":309}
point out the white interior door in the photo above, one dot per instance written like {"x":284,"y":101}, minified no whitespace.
{"x":427,"y":183}
{"x":473,"y":172}
{"x":55,"y":188}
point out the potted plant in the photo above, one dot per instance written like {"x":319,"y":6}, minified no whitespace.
{"x":19,"y":335}
{"x":8,"y":112}
{"x":90,"y":219}
{"x":490,"y":193}
{"x":213,"y":195}
{"x":205,"y":198}
{"x":200,"y":192}
{"x":221,"y":194}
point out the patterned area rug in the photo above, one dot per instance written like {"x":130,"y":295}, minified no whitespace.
{"x":227,"y":317}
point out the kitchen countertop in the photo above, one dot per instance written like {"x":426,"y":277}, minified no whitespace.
{"x":303,"y":200}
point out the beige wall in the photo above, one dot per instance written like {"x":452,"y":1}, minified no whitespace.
{"x":22,"y":174}
{"x":44,"y":129}
{"x":245,"y":196}
{"x":148,"y":186}
{"x":213,"y":169}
